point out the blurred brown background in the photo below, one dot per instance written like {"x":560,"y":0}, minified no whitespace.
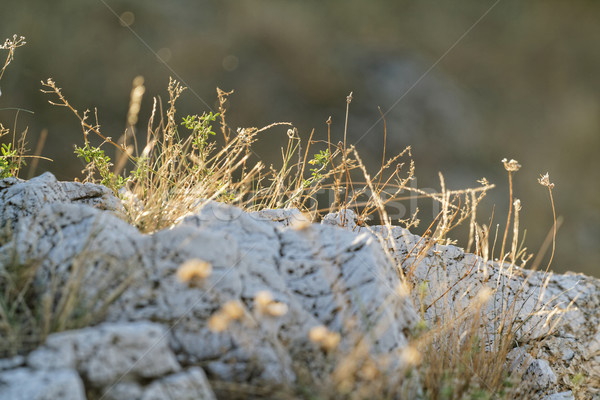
{"x":466,"y":84}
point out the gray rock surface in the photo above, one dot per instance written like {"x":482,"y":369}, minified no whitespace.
{"x":187,"y":385}
{"x":540,"y":373}
{"x":108,"y":353}
{"x":19,"y":199}
{"x":269,"y":278}
{"x":11,"y":363}
{"x":283,"y":218}
{"x":321,"y":274}
{"x":28,"y":384}
{"x":518,"y":360}
{"x":568,"y":395}
{"x":346,"y":219}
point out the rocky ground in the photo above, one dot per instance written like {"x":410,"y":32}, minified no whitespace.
{"x":258,"y":288}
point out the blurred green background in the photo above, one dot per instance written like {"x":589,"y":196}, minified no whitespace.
{"x":465,"y":83}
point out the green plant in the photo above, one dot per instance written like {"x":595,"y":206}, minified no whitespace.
{"x":11,"y":158}
{"x":201,"y":129}
{"x":10,"y":161}
{"x":319,"y":161}
{"x":98,"y":161}
{"x":577,"y":379}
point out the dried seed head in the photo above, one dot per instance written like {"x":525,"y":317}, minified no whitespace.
{"x":544,"y":180}
{"x":276,"y":309}
{"x":517,"y":204}
{"x":262,"y":299}
{"x":323,"y":336}
{"x":318,"y":333}
{"x":411,"y":355}
{"x":233,"y":309}
{"x":403,"y":289}
{"x":218,"y":322}
{"x":511,"y":166}
{"x":194,"y":269}
{"x":369,"y":370}
{"x":265,"y":304}
{"x":331,"y":341}
{"x":344,"y":374}
{"x":484,"y":295}
{"x":135,"y":100}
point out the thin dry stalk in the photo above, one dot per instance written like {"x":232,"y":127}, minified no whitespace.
{"x":510,"y":166}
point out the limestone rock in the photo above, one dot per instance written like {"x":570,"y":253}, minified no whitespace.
{"x":568,"y":395}
{"x":124,"y":390}
{"x":187,"y":385}
{"x":280,"y":280}
{"x":321,"y":275}
{"x":190,"y":384}
{"x":518,"y":361}
{"x":71,"y":243}
{"x":346,"y":219}
{"x":27,"y":384}
{"x":283,"y":218}
{"x":109,"y":353}
{"x":540,"y":374}
{"x":19,"y":199}
{"x":11,"y":363}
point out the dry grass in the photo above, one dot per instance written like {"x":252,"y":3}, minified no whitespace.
{"x":174,"y":175}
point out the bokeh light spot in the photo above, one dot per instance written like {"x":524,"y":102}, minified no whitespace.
{"x":127,"y":18}
{"x":230,"y":62}
{"x":164,"y":54}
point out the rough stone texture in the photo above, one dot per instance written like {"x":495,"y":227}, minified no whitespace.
{"x":108,"y":353}
{"x":346,"y":219}
{"x":188,"y":385}
{"x":62,"y":238}
{"x":61,"y":227}
{"x":540,"y":373}
{"x":27,"y":384}
{"x":191,"y":384}
{"x":10,"y":363}
{"x":518,"y":360}
{"x":283,"y":218}
{"x":320,"y":274}
{"x":123,"y":391}
{"x":19,"y":199}
{"x":568,"y":395}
